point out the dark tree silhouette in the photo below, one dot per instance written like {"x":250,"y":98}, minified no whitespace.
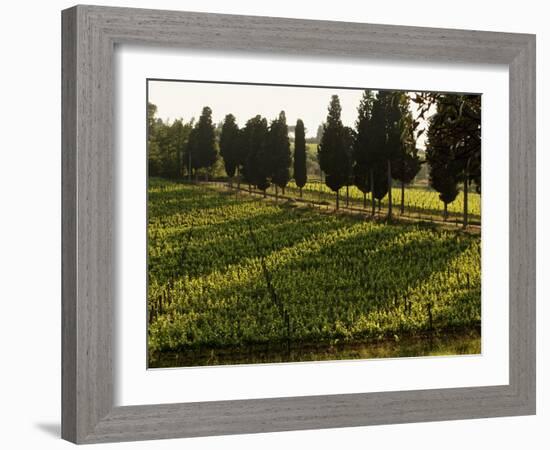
{"x":444,"y":171}
{"x":457,"y":122}
{"x":241,"y":154}
{"x":333,"y":152}
{"x":300,"y":171}
{"x":191,"y":152}
{"x":396,"y":104}
{"x":256,"y":169}
{"x":229,"y":145}
{"x":378,"y":153}
{"x":348,"y":143}
{"x":382,"y":139}
{"x":362,"y":158}
{"x":201,"y":146}
{"x":279,"y":152}
{"x":406,"y":162}
{"x":178,"y":135}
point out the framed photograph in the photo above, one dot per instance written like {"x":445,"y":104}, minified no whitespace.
{"x":265,"y":229}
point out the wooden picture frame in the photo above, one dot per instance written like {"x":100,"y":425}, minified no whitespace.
{"x":90,"y":34}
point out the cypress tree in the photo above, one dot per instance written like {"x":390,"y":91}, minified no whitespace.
{"x":201,"y":148}
{"x":395,"y":109}
{"x":361,"y":150}
{"x":256,"y":167}
{"x":385,"y":142}
{"x":348,"y":143}
{"x":378,"y":154}
{"x":332,"y":151}
{"x":229,"y":145}
{"x":279,"y":152}
{"x":466,"y":120}
{"x":191,"y":152}
{"x":178,"y":134}
{"x":241,"y":154}
{"x":406,"y":162}
{"x":245,"y":146}
{"x":300,"y":172}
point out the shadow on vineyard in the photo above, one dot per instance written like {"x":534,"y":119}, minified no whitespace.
{"x":453,"y":343}
{"x":422,"y":207}
{"x":274,"y":221}
{"x":236,"y":279}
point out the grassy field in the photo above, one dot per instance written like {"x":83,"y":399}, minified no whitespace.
{"x":240,"y":279}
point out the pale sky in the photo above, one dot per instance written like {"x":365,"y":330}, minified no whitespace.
{"x":185,"y":100}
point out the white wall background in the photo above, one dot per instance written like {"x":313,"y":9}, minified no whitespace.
{"x":30,"y":236}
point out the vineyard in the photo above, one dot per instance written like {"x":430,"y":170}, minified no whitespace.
{"x":420,"y":202}
{"x":232,"y":273}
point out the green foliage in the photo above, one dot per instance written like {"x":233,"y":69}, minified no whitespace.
{"x":279,"y":151}
{"x":178,"y":134}
{"x":385,"y":145}
{"x":441,"y":153}
{"x":339,"y":278}
{"x":257,"y":167}
{"x":300,"y":172}
{"x":229,"y":144}
{"x":335,"y":148}
{"x":377,"y":138}
{"x":320,"y":131}
{"x":443,"y":171}
{"x":405,"y":162}
{"x":201,"y":146}
{"x":455,"y":131}
{"x":166,"y":145}
{"x":362,"y":149}
{"x":406,"y":166}
{"x":312,"y":160}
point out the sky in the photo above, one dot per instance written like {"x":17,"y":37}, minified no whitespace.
{"x":185,"y":100}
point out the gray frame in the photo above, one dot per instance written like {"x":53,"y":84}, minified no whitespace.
{"x":89,"y":36}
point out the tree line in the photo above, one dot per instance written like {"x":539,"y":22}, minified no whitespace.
{"x":380,"y":151}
